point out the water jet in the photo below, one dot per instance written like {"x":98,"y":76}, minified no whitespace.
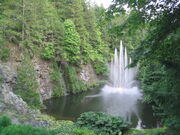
{"x":119,"y":93}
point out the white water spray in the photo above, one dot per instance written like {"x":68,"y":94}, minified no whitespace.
{"x":120,"y":75}
{"x":121,"y":93}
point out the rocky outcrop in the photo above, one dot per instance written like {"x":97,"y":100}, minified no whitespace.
{"x":13,"y":105}
{"x":8,"y":75}
{"x":87,"y":74}
{"x":42,"y":69}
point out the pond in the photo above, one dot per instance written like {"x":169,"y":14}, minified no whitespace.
{"x":118,"y":103}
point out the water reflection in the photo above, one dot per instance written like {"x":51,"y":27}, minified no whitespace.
{"x":121,"y":101}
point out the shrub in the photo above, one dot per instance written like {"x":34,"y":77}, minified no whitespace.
{"x":65,"y":128}
{"x":48,"y":52}
{"x":4,"y":53}
{"x":6,"y":128}
{"x":27,"y":85}
{"x":100,"y":68}
{"x":4,"y":122}
{"x":74,"y":84}
{"x":102,"y":123}
{"x":83,"y":131}
{"x":58,"y":81}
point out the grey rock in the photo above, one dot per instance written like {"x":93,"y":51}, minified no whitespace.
{"x":15,"y":121}
{"x":12,"y":104}
{"x":87,"y":74}
{"x":2,"y":107}
{"x":11,"y":99}
{"x":42,"y":70}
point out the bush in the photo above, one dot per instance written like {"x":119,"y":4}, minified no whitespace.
{"x":83,"y":131}
{"x":4,"y":122}
{"x":6,"y":128}
{"x":102,"y":123}
{"x":58,"y":81}
{"x":65,"y":128}
{"x":48,"y":52}
{"x":73,"y":83}
{"x":100,"y":68}
{"x":4,"y":53}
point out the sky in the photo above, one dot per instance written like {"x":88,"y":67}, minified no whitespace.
{"x":105,"y":3}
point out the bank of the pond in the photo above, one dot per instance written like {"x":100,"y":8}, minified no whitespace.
{"x":68,"y":128}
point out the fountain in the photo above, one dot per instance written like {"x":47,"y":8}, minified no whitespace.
{"x":121,"y":92}
{"x":120,"y":74}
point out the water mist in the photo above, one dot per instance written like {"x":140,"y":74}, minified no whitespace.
{"x":121,"y":92}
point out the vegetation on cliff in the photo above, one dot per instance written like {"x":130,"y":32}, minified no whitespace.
{"x":59,"y":32}
{"x":26,"y":84}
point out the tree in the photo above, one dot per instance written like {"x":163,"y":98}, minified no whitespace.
{"x":71,"y":43}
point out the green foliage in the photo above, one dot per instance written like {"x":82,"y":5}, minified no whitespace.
{"x":4,"y":122}
{"x":32,"y":24}
{"x":58,"y":81}
{"x":48,"y":52}
{"x":65,"y":129}
{"x":27,"y":85}
{"x":4,"y":53}
{"x":102,"y":123}
{"x":6,"y":128}
{"x":37,"y":26}
{"x":71,"y":42}
{"x":73,"y":83}
{"x":100,"y":68}
{"x":97,"y":49}
{"x":156,"y":131}
{"x":1,"y":78}
{"x":25,"y":130}
{"x":159,"y":83}
{"x":83,"y":131}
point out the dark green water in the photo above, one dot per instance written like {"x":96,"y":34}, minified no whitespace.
{"x":70,"y":107}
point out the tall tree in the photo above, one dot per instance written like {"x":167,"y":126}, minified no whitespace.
{"x":71,"y":43}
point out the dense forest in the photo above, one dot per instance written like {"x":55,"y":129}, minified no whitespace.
{"x":68,"y":34}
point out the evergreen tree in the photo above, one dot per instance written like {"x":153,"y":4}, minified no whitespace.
{"x":71,"y":42}
{"x":12,"y":23}
{"x":32,"y":24}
